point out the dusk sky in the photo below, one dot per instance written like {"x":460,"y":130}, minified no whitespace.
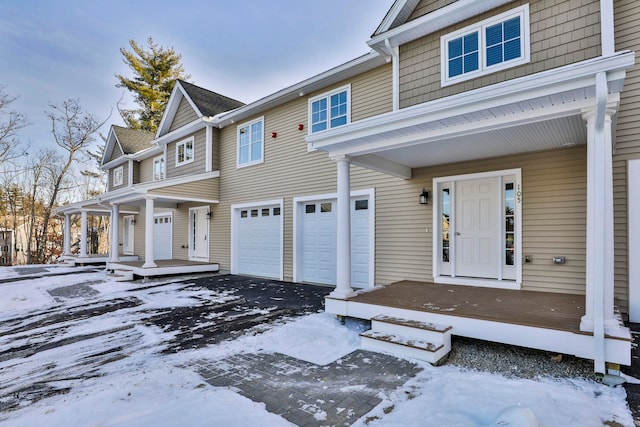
{"x":53,"y":50}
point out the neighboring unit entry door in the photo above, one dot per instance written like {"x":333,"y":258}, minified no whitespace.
{"x":127,"y":235}
{"x":199,"y":234}
{"x":162,"y":236}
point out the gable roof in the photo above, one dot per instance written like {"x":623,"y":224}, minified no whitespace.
{"x":396,"y":30}
{"x":204,"y":102}
{"x":130,"y":141}
{"x":209,"y":103}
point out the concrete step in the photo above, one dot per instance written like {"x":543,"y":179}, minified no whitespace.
{"x":431,"y":332}
{"x":122,"y":275}
{"x":404,"y":346}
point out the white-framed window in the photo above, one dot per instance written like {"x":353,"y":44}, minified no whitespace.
{"x":251,"y":143}
{"x":159,"y":171}
{"x":330,"y":110}
{"x":118,"y":176}
{"x":491,"y":45}
{"x":184,"y":152}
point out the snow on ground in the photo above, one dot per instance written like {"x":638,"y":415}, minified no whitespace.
{"x":149,"y":388}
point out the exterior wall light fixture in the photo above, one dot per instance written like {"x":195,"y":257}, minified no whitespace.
{"x":424,"y":197}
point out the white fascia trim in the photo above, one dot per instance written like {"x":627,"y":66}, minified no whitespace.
{"x":234,"y":231}
{"x":356,"y":66}
{"x":434,"y":21}
{"x":558,"y":80}
{"x":396,"y":9}
{"x":141,"y":189}
{"x":181,"y":132}
{"x":297,"y":249}
{"x":117,"y":162}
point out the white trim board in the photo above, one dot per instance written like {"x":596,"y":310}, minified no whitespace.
{"x":633,"y":239}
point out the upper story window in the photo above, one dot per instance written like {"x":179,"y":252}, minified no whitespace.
{"x":118,"y":176}
{"x":491,"y":45}
{"x":184,"y":152}
{"x":330,"y":110}
{"x":251,"y":143}
{"x":159,"y":172}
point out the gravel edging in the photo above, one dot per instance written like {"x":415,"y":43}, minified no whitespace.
{"x":515,"y":362}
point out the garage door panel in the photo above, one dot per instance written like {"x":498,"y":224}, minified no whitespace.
{"x":319,"y":242}
{"x":259,"y":241}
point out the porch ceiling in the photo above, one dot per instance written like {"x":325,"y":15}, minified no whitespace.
{"x":547,"y":135}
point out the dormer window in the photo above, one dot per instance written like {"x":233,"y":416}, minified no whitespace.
{"x":159,"y":172}
{"x":491,"y":45}
{"x":118,"y":176}
{"x":184,"y":152}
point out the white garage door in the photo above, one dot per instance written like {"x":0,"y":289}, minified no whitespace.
{"x":162,"y":237}
{"x":319,"y":242}
{"x":259,"y":240}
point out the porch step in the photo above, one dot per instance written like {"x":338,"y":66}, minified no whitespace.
{"x":419,"y":340}
{"x":121,"y":275}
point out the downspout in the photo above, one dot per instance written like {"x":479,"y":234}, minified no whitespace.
{"x":602,"y":92}
{"x":395,"y":74}
{"x":607,"y":31}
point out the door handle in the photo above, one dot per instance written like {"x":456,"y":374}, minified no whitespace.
{"x":457,"y":233}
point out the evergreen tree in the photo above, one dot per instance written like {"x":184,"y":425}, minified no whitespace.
{"x":155,"y":71}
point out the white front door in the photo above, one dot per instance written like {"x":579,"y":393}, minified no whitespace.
{"x":477,"y":228}
{"x":199,"y":234}
{"x":127,"y":235}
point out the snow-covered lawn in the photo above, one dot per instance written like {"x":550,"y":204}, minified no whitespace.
{"x":117,"y":374}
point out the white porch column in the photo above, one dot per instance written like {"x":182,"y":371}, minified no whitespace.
{"x":599,"y":310}
{"x":83,"y":235}
{"x":67,"y":234}
{"x":149,"y":262}
{"x":115,"y":225}
{"x":343,"y":288}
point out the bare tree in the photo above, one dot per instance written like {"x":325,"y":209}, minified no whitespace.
{"x":10,"y":123}
{"x":73,"y":130}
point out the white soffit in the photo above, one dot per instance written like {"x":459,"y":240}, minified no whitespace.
{"x":546,"y":135}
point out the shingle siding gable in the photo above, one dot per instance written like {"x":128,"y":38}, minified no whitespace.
{"x":562,"y":32}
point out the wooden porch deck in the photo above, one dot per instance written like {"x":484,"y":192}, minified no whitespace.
{"x":527,"y":308}
{"x":542,"y":320}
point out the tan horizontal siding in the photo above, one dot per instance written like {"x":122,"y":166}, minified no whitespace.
{"x":203,"y":189}
{"x":627,"y":141}
{"x":562,"y":32}
{"x":199,"y":160}
{"x":138,"y":233}
{"x":146,"y":170}
{"x":116,"y":153}
{"x":185,"y":114}
{"x":289,"y":169}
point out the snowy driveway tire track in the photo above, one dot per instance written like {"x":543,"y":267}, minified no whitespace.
{"x":45,"y":352}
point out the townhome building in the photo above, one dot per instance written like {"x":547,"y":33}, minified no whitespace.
{"x":476,"y":173}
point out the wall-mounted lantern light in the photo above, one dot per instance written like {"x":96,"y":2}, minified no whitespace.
{"x":208,"y":214}
{"x":133,"y":221}
{"x":424,"y":197}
